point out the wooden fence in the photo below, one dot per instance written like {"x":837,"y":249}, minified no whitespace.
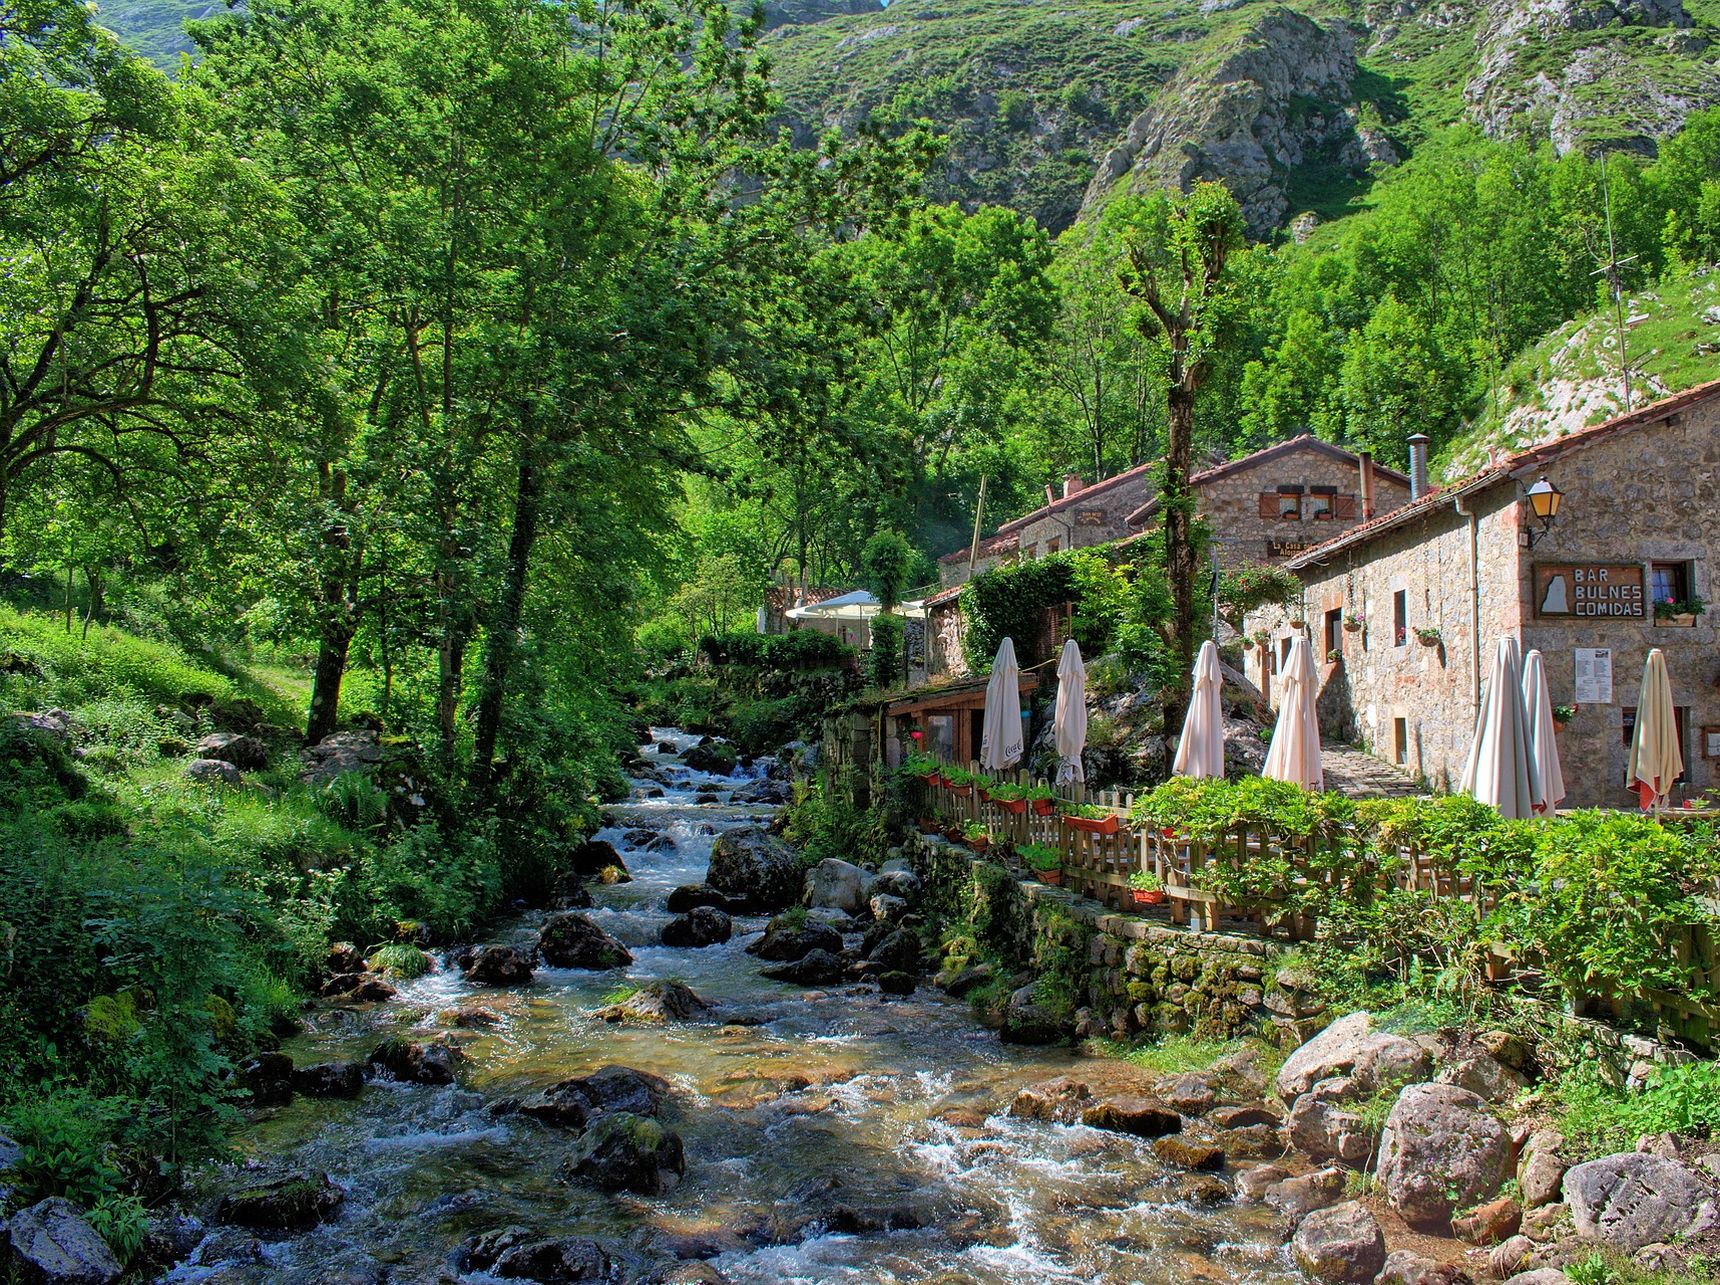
{"x":1099,"y":865}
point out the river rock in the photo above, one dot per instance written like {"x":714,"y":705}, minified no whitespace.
{"x":1252,"y":1142}
{"x":574,"y":1103}
{"x":1188,"y":1094}
{"x":590,"y":859}
{"x":244,"y":752}
{"x":291,"y":1203}
{"x":1342,"y":1245}
{"x":1027,"y":1021}
{"x":1509,"y":1257}
{"x":666,"y":1001}
{"x":1062,"y":1099}
{"x":899,"y":882}
{"x":897,"y":983}
{"x":1542,"y":1170}
{"x":554,"y":1262}
{"x":755,"y":870}
{"x":887,"y":909}
{"x":1488,"y":1224}
{"x":1323,"y":1131}
{"x":1333,"y":1052}
{"x":1440,"y":1152}
{"x":1385,"y":1061}
{"x":53,"y":1245}
{"x":838,"y":885}
{"x":267,"y":1077}
{"x":627,"y":1152}
{"x":341,"y":1079}
{"x":791,"y":937}
{"x":499,"y":966}
{"x":714,"y":759}
{"x":1186,"y":1153}
{"x":816,"y":968}
{"x":418,"y":1063}
{"x":689,"y":896}
{"x":1242,"y":1117}
{"x":1405,"y":1267}
{"x":1300,"y":1196}
{"x":700,"y":927}
{"x":573,"y":941}
{"x":964,"y":981}
{"x":213,"y":772}
{"x":1635,"y":1199}
{"x":1131,"y":1113}
{"x":357,"y":988}
{"x":897,"y":952}
{"x":1486,"y":1077}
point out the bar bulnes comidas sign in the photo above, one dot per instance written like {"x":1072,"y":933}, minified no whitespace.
{"x":1590,"y":590}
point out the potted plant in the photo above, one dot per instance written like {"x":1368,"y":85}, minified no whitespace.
{"x":1146,"y":888}
{"x":931,"y":823}
{"x":1335,"y":655}
{"x":1683,"y":612}
{"x":1260,"y":638}
{"x":1041,"y":800}
{"x":953,"y":831}
{"x":960,"y":782}
{"x":1563,"y":714}
{"x":1353,"y":624}
{"x":1298,"y":622}
{"x":1093,"y":820}
{"x":1045,"y":863}
{"x":976,"y":836}
{"x":1427,"y":635}
{"x":1008,"y":798}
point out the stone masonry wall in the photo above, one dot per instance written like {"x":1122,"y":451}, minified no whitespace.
{"x":1232,"y":505}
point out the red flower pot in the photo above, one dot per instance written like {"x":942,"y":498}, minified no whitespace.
{"x":933,"y":779}
{"x":1148,"y":896}
{"x":953,"y":833}
{"x":928,"y":826}
{"x":960,"y":791}
{"x":1052,"y":877}
{"x":1015,"y":807}
{"x":1044,"y":807}
{"x":1100,"y":825}
{"x":980,"y":844}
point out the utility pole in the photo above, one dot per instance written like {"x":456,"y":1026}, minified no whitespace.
{"x":978,"y":517}
{"x":1611,"y":269}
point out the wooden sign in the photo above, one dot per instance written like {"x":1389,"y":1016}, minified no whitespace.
{"x":1590,"y":590}
{"x":1090,"y":517}
{"x":1276,"y":548}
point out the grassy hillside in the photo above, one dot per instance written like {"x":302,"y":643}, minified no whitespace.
{"x":1571,"y":378}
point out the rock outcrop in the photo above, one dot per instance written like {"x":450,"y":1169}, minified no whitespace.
{"x":1441,"y":1151}
{"x":573,"y":941}
{"x":52,"y":1245}
{"x":755,"y":870}
{"x":1635,"y":1199}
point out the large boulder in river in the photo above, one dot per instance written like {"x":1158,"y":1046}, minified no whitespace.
{"x":627,"y":1152}
{"x":591,"y":858}
{"x":1637,"y":1198}
{"x":53,"y":1245}
{"x":899,"y":951}
{"x":833,"y":884}
{"x":791,"y":937}
{"x":816,"y":968}
{"x":691,"y":895}
{"x":515,"y":1253}
{"x":292,"y":1203}
{"x":573,"y":1104}
{"x":1342,"y":1245}
{"x":499,"y":966}
{"x":668,"y":1001}
{"x":711,"y":757}
{"x":1441,"y":1152}
{"x":572,"y":941}
{"x":416,"y":1062}
{"x":699,"y":927}
{"x":755,"y":870}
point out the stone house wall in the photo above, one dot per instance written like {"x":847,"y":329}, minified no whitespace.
{"x":1232,"y":504}
{"x":1096,"y":515}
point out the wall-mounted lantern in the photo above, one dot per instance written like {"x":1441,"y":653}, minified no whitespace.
{"x":1543,"y":499}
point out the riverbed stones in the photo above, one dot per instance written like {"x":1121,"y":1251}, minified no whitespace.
{"x":1061,"y":1100}
{"x":899,"y":951}
{"x":1300,"y":1196}
{"x":713,"y":758}
{"x":1333,"y":1052}
{"x":1635,"y":1199}
{"x":1342,"y":1245}
{"x":576,"y":1102}
{"x":815,"y":968}
{"x":1542,"y":1170}
{"x":1323,"y":1131}
{"x":416,"y":1062}
{"x":700,"y":927}
{"x":338,"y":1079}
{"x":690,"y":896}
{"x":791,"y":937}
{"x":1440,"y":1151}
{"x":1254,"y":1182}
{"x":656,"y":1002}
{"x":1188,"y":1153}
{"x":897,"y":983}
{"x":499,"y":966}
{"x":1406,"y":1267}
{"x":1027,"y":1021}
{"x":838,"y":885}
{"x":571,"y":940}
{"x":755,"y":870}
{"x":289,"y":1203}
{"x":1188,"y":1094}
{"x":52,"y":1245}
{"x":887,"y":909}
{"x":593,"y":857}
{"x":267,"y":1077}
{"x":565,"y":1261}
{"x":622,"y":1151}
{"x":1135,"y":1114}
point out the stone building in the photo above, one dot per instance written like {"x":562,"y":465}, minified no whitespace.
{"x":1429,"y":588}
{"x":1079,"y":518}
{"x":1284,"y":499}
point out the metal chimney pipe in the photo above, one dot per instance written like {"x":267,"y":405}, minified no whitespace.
{"x":1365,"y":466}
{"x":1418,"y":445}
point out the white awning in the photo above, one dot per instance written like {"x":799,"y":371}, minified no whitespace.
{"x":858,"y":605}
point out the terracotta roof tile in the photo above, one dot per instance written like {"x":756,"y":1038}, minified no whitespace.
{"x":1261,"y":456}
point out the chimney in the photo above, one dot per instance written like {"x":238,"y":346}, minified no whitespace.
{"x":1071,"y":484}
{"x":1418,"y":465}
{"x":1050,"y":494}
{"x":1365,"y":466}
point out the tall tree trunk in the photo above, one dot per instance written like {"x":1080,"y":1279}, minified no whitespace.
{"x":337,"y":629}
{"x":503,"y":646}
{"x":1179,"y":544}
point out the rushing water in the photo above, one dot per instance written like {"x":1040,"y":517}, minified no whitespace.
{"x":836,"y":1099}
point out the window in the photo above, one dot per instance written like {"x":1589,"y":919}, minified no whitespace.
{"x":1400,"y":617}
{"x":941,"y":736}
{"x":1283,"y":654}
{"x":1680,"y":721}
{"x":1400,"y":741}
{"x":1053,"y":545}
{"x":1320,"y":502}
{"x":1334,"y":631}
{"x":1669,"y":581}
{"x":1289,"y":504}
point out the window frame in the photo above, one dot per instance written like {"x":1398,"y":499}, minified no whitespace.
{"x":1400,"y":618}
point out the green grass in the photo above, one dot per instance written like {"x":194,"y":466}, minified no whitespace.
{"x":1172,"y":1055}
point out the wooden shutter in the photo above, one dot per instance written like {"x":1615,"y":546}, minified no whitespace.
{"x":1269,"y":504}
{"x":1344,"y":508}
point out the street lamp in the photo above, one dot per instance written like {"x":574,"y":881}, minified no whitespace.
{"x":1544,"y":499}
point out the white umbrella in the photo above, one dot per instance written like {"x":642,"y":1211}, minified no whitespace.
{"x":1655,"y":758}
{"x":1069,"y":730}
{"x":1501,"y":768}
{"x":1000,"y":738}
{"x":1543,"y":745}
{"x":1295,"y":752}
{"x":1200,"y":752}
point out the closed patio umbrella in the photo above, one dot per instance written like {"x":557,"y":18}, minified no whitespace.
{"x":1200,"y":752}
{"x":1656,"y":760}
{"x":1295,"y":752}
{"x":1501,"y":768}
{"x":1069,"y":728}
{"x":1543,"y":745}
{"x":1000,"y":736}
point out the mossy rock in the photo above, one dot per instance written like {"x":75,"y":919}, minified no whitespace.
{"x":291,"y":1203}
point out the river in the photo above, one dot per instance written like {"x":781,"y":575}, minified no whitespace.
{"x":837,"y":1100}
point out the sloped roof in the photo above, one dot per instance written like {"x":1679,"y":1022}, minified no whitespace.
{"x":1303,"y":441}
{"x":991,"y":546}
{"x":1505,"y":469}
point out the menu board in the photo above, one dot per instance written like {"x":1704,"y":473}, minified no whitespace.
{"x":1594,"y":676}
{"x":1590,"y":590}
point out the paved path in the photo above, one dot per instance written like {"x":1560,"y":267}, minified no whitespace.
{"x":1362,"y":776}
